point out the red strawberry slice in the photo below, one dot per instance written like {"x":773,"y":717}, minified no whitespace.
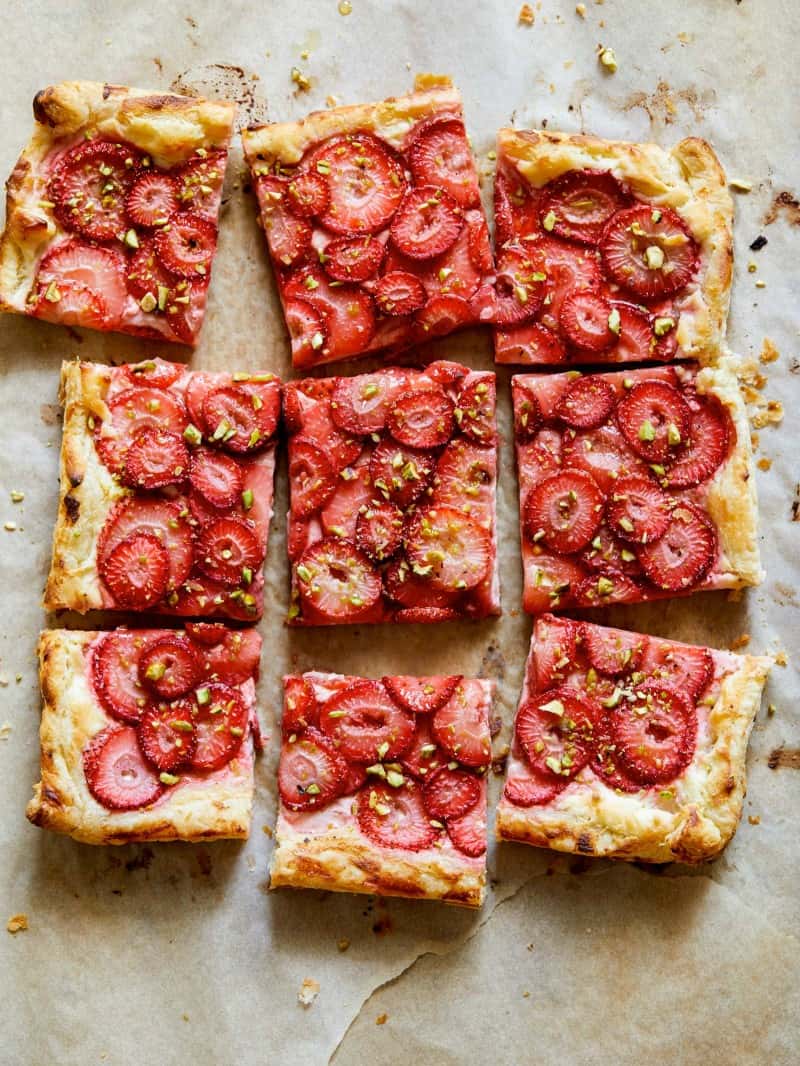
{"x":167,"y":736}
{"x":400,"y":474}
{"x":636,"y":341}
{"x":449,"y":547}
{"x":346,"y":309}
{"x":478,"y":244}
{"x":681,"y":558}
{"x":311,"y":773}
{"x":307,"y":194}
{"x":563,"y":511}
{"x":234,"y":658}
{"x":364,"y":724}
{"x":421,"y":695}
{"x":426,"y":223}
{"x":379,"y":531}
{"x":578,"y":204}
{"x":655,"y":734}
{"x":227,"y":550}
{"x":307,"y":330}
{"x":427,"y":615}
{"x":71,"y":305}
{"x":654,"y":419}
{"x":556,"y":731}
{"x":221,"y":724}
{"x":465,"y":477}
{"x":399,"y":293}
{"x":516,"y":208}
{"x":360,"y":405}
{"x":136,"y":571}
{"x":89,"y":186}
{"x":152,"y":200}
{"x":79,"y":270}
{"x":450,"y":793}
{"x":587,"y":402}
{"x":424,"y":418}
{"x":649,"y":251}
{"x":242,"y":418}
{"x":353,"y":494}
{"x":638,"y":511}
{"x":540,"y":458}
{"x":186,"y":246}
{"x":606,"y":762}
{"x":116,"y":772}
{"x":527,"y":415}
{"x":468,"y":832}
{"x":475,"y":410}
{"x":710,"y":434}
{"x":200,"y":180}
{"x":532,"y":344}
{"x":555,"y":650}
{"x":684,"y":667}
{"x":612,"y":651}
{"x":452,"y":273}
{"x":584,"y":319}
{"x":462,"y":729}
{"x":155,"y":373}
{"x":424,"y":756}
{"x":442,"y":315}
{"x":365,"y":179}
{"x":440,"y":157}
{"x":527,"y":788}
{"x":550,"y":581}
{"x":208,"y":634}
{"x":665,"y":319}
{"x":568,"y":268}
{"x":170,"y":667}
{"x":395,"y":817}
{"x":186,"y":308}
{"x":352,"y":258}
{"x":155,"y":459}
{"x":603,"y":453}
{"x":607,"y":552}
{"x":336,"y":581}
{"x":163,"y":519}
{"x":356,"y":777}
{"x":608,"y":586}
{"x":413,"y":592}
{"x":315,"y":422}
{"x":288,"y":236}
{"x":146,"y":274}
{"x":115,"y":674}
{"x":311,"y":476}
{"x":217,"y":478}
{"x":520,"y":285}
{"x":300,"y":707}
{"x":132,"y":412}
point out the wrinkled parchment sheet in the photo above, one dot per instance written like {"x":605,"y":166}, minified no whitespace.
{"x":178,"y":954}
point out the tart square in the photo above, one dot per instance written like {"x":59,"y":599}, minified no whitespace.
{"x":373,"y":219}
{"x":392,"y":479}
{"x":147,"y":734}
{"x":610,"y":251}
{"x":383,"y":786}
{"x":111,"y":212}
{"x":166,"y":490}
{"x":629,"y":746}
{"x":634,"y":485}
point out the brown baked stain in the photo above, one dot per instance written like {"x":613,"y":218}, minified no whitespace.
{"x":663,"y":104}
{"x":796,"y":504}
{"x":203,"y":862}
{"x":784,"y":205}
{"x":493,"y":664}
{"x":50,"y":414}
{"x":158,"y":64}
{"x":585,"y":845}
{"x":225,"y":81}
{"x":141,"y":861}
{"x":72,"y":508}
{"x":784,"y":759}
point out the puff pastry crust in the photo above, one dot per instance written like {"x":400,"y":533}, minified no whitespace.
{"x":167,"y":127}
{"x":687,"y":178}
{"x":217,"y":807}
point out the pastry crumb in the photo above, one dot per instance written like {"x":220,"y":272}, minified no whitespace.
{"x":740,"y":185}
{"x":185,"y":1017}
{"x":526,"y":15}
{"x":769,"y":353}
{"x":761,"y":284}
{"x":331,"y":101}
{"x":267,"y":830}
{"x":345,"y":7}
{"x":309,"y":990}
{"x":764,"y":464}
{"x":301,"y":80}
{"x":526,"y":995}
{"x":608,"y":59}
{"x":771,"y":709}
{"x":382,"y":1019}
{"x":17,"y":496}
{"x":781,"y":658}
{"x":754,"y":819}
{"x":5,"y":730}
{"x":343,"y":944}
{"x":10,"y":526}
{"x":580,"y":9}
{"x":17,"y":923}
{"x":740,"y":642}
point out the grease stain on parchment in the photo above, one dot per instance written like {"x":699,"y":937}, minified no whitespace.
{"x":225,"y":81}
{"x":784,"y":759}
{"x":662,"y":105}
{"x":784,"y":205}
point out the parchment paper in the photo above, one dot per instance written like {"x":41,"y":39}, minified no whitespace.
{"x":176,"y":954}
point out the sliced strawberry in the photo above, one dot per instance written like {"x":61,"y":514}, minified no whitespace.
{"x":311,"y":773}
{"x":527,"y":415}
{"x":71,"y":305}
{"x":427,"y":615}
{"x":227,"y":549}
{"x":365,"y":179}
{"x":133,"y":411}
{"x":221,"y":725}
{"x":684,"y":667}
{"x":424,"y":756}
{"x":161,"y":518}
{"x":423,"y":418}
{"x":607,"y":552}
{"x":649,"y":251}
{"x":449,"y":547}
{"x":115,"y":673}
{"x":167,"y":735}
{"x":603,"y":453}
{"x":353,"y":494}
{"x":638,"y":511}
{"x":234,"y":658}
{"x":360,"y":405}
{"x":451,"y":273}
{"x":379,"y":531}
{"x":152,"y":200}
{"x":186,"y":246}
{"x":300,"y":707}
{"x":399,"y":293}
{"x":186,"y":308}
{"x":613,"y":651}
{"x":217,"y":478}
{"x":540,"y":458}
{"x":81,"y":269}
{"x":155,"y":373}
{"x":468,"y":832}
{"x":421,"y":695}
{"x":311,"y":477}
{"x":584,"y":318}
{"x":556,"y":731}
{"x":606,"y":762}
{"x":710,"y":434}
{"x":440,"y":157}
{"x":555,"y":650}
{"x":288,"y":236}
{"x":401,"y":474}
{"x":654,"y":419}
{"x":683,"y":555}
{"x":465,"y":477}
{"x":664,"y":346}
{"x":242,"y":418}
{"x":200,"y":180}
{"x":116,"y":772}
{"x":395,"y":817}
{"x":442,"y":315}
{"x":364,"y":724}
{"x":608,"y":586}
{"x":307,"y":194}
{"x":655,"y":734}
{"x":337,"y":581}
{"x":462,"y":729}
{"x":475,"y":410}
{"x":520,"y":284}
{"x":578,"y":204}
{"x":155,"y":459}
{"x":563,"y":511}
{"x":478,"y":244}
{"x":146,"y":274}
{"x":209,"y":634}
{"x":426,"y":223}
{"x":636,"y":341}
{"x":413,"y":592}
{"x":317,"y":426}
{"x":170,"y":667}
{"x":450,"y":793}
{"x":516,"y":208}
{"x":352,"y":258}
{"x":568,"y":268}
{"x":528,"y":788}
{"x":347,"y":310}
{"x":136,"y":571}
{"x":307,"y":330}
{"x":89,"y":186}
{"x":587,"y":402}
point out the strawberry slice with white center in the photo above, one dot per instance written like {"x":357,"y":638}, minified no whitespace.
{"x":414,"y":593}
{"x":170,"y":667}
{"x":607,"y":552}
{"x":532,"y":345}
{"x":685,"y":668}
{"x":440,"y":157}
{"x":395,"y":817}
{"x":442,"y":315}
{"x":527,"y":413}
{"x":311,"y":772}
{"x":478,"y":244}
{"x":451,"y":273}
{"x":115,"y":674}
{"x":200,"y":180}
{"x":337,"y":582}
{"x":448,"y":547}
{"x":528,"y":788}
{"x":300,"y":707}
{"x":578,"y":204}
{"x":154,"y":373}
{"x":550,"y":581}
{"x":217,"y":478}
{"x":401,"y":474}
{"x":585,"y":319}
{"x":352,"y":258}
{"x":654,"y":419}
{"x":423,"y":418}
{"x":242,"y":418}
{"x":613,"y":652}
{"x":166,"y":735}
{"x":555,"y":650}
{"x":605,"y":587}
{"x":655,"y":734}
{"x":710,"y":434}
{"x":424,"y":756}
{"x":89,"y":186}
{"x":163,"y":519}
{"x":347,"y":310}
{"x":462,"y":730}
{"x":311,"y":476}
{"x":155,"y":459}
{"x":221,"y":724}
{"x":426,"y":223}
{"x":465,"y":476}
{"x":682,"y":557}
{"x":606,"y":762}
{"x":152,"y":200}
{"x":568,"y":268}
{"x":207,"y":634}
{"x":288,"y":236}
{"x":399,"y":293}
{"x":133,"y":411}
{"x":563,"y":511}
{"x":313,"y":421}
{"x":366,"y":182}
{"x":556,"y":731}
{"x":379,"y":531}
{"x":468,"y":832}
{"x":136,"y":571}
{"x":307,"y":330}
{"x":187,"y":245}
{"x":475,"y":410}
{"x":450,"y":793}
{"x":146,"y":276}
{"x":638,"y":511}
{"x":229,"y":552}
{"x":307,"y":194}
{"x":540,"y":458}
{"x":516,"y":208}
{"x":649,"y":251}
{"x":353,"y":494}
{"x":636,"y":341}
{"x":603,"y":453}
{"x":234,"y":656}
{"x":421,"y":695}
{"x":116,"y":772}
{"x":360,"y":405}
{"x":81,"y":276}
{"x":520,"y":285}
{"x":587,"y":402}
{"x":364,"y":724}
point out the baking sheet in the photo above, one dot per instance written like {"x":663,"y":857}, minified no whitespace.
{"x":176,"y":954}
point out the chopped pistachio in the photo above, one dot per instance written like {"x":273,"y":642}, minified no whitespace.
{"x":382,"y":749}
{"x":654,"y":257}
{"x":168,"y":779}
{"x":203,"y":695}
{"x":247,"y":499}
{"x":605,"y":586}
{"x":394,"y":779}
{"x":553,"y":707}
{"x":148,"y":302}
{"x":662,"y":326}
{"x":646,"y":431}
{"x":192,"y":435}
{"x":614,"y":321}
{"x":163,"y":293}
{"x":155,"y":671}
{"x":549,"y":221}
{"x":673,"y":434}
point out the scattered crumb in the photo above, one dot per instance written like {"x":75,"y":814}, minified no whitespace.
{"x":343,"y":944}
{"x":526,"y":16}
{"x":530,"y":947}
{"x":770,"y":414}
{"x":382,"y":1019}
{"x":761,"y":284}
{"x":17,"y":497}
{"x":769,"y":353}
{"x":608,"y":59}
{"x":755,"y":440}
{"x":4,"y":681}
{"x":740,"y":642}
{"x":5,"y":730}
{"x":185,"y":1017}
{"x":526,"y":995}
{"x":309,"y":990}
{"x":752,"y":267}
{"x":17,"y":923}
{"x":267,"y":830}
{"x":758,"y":243}
{"x":301,"y":80}
{"x":10,"y":526}
{"x":685,"y":38}
{"x":580,"y":9}
{"x":754,"y":819}
{"x":781,"y":658}
{"x":345,"y":7}
{"x":331,"y":101}
{"x":771,"y":709}
{"x":764,"y":464}
{"x":739,"y":185}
